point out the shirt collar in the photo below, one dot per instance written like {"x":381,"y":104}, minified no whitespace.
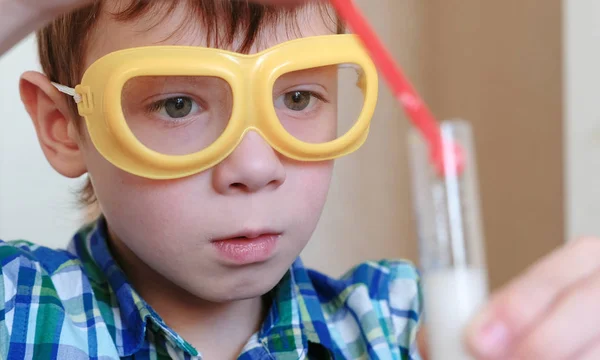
{"x":294,"y":322}
{"x":295,"y":319}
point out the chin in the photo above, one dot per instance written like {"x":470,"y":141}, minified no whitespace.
{"x":250,"y":285}
{"x":237,"y":294}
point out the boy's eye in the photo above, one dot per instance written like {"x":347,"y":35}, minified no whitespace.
{"x":175,"y":108}
{"x":178,"y":107}
{"x":297,"y":100}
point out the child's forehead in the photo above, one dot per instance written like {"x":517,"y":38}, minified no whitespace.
{"x":179,"y":28}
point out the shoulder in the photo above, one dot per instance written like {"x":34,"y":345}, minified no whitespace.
{"x":47,"y":299}
{"x":379,"y":280}
{"x":25,"y":264}
{"x":30,"y":274}
{"x":36,"y":286}
{"x":376,"y":303}
{"x":29,"y":254}
{"x":395,"y":281}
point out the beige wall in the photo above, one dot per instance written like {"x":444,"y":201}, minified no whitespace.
{"x":495,"y":64}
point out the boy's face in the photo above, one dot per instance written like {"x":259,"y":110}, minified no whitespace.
{"x":172,"y":227}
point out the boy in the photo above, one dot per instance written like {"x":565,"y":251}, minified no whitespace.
{"x":198,"y":252}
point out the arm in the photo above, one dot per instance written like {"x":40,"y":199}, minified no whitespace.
{"x":422,"y":343}
{"x":282,"y":2}
{"x":18,"y":18}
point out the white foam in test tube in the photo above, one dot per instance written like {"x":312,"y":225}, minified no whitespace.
{"x":451,"y":250}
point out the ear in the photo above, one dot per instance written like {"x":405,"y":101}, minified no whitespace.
{"x":49,"y":111}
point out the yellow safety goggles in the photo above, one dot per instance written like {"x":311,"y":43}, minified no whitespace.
{"x":165,"y":112}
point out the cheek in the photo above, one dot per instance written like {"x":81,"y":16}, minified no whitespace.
{"x":308,"y":184}
{"x":150,"y":205}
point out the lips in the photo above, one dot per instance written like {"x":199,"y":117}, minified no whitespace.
{"x":247,"y":248}
{"x":250,"y":234}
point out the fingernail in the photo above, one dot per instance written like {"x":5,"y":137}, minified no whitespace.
{"x":492,"y":338}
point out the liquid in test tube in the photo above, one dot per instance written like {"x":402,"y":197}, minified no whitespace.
{"x":451,"y":244}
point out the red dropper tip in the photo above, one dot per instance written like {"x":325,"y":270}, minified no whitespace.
{"x":448,"y":159}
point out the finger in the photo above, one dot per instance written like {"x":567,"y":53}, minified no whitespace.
{"x":422,"y":343}
{"x":281,"y":2}
{"x":520,"y":304}
{"x":570,"y":326}
{"x":592,"y":353}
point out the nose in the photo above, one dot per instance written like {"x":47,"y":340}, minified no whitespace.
{"x":252,"y":167}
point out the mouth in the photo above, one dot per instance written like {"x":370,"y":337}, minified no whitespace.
{"x":248,"y":247}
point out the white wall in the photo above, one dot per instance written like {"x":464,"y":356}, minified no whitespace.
{"x":36,"y":203}
{"x":582,"y":116}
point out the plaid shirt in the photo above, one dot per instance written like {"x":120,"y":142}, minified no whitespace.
{"x":77,"y":304}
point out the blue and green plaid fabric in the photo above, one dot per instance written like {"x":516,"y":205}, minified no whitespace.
{"x":77,"y":304}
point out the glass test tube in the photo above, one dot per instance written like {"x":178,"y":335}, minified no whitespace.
{"x":451,"y":244}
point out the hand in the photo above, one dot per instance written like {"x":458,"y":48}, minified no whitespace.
{"x":280,"y":2}
{"x":552,"y":312}
{"x":47,"y":9}
{"x":18,"y":18}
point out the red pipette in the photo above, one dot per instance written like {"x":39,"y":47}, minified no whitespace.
{"x":415,"y":108}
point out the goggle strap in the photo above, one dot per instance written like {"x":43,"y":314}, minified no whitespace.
{"x":69,"y":91}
